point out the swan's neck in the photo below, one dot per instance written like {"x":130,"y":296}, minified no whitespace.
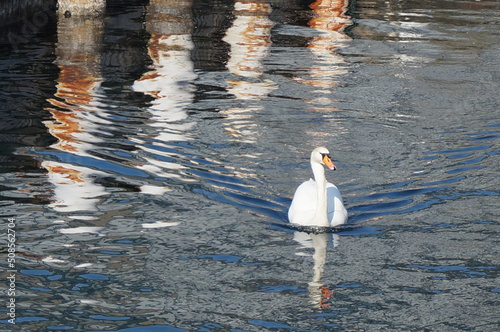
{"x":320,"y":216}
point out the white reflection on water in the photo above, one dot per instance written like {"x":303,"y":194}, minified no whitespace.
{"x":330,"y":20}
{"x":170,"y":25}
{"x":82,"y":229}
{"x":74,"y":122}
{"x":323,"y":74}
{"x":250,"y":39}
{"x":160,"y":224}
{"x":169,"y":47}
{"x":74,"y":189}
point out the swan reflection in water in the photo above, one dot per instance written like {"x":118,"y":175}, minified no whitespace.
{"x":319,"y":293}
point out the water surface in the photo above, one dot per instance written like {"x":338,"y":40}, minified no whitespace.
{"x":149,"y":159}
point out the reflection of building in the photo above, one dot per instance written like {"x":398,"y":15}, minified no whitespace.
{"x":330,"y":20}
{"x":169,"y":23}
{"x":74,"y":187}
{"x":330,"y":15}
{"x":81,"y":7}
{"x":74,"y":122}
{"x":249,"y":38}
{"x":169,"y":83}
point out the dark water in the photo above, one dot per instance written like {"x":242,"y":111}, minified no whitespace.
{"x":148,"y":160}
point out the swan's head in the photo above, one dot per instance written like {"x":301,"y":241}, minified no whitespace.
{"x":321,"y":156}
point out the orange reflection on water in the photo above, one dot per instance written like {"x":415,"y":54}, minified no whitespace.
{"x":74,"y":188}
{"x":330,"y":19}
{"x":72,"y":123}
{"x":170,"y":24}
{"x":169,"y":47}
{"x":250,"y":39}
{"x":330,"y":15}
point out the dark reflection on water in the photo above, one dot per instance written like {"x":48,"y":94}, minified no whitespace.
{"x":149,"y":158}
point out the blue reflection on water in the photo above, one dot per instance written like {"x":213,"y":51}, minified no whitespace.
{"x":222,"y":258}
{"x":152,"y":328}
{"x":454,"y":270}
{"x":466,"y":149}
{"x":36,"y":272}
{"x":94,"y":276}
{"x":270,"y":325}
{"x":41,"y":289}
{"x":282,"y":288}
{"x":112,"y":318}
{"x":97,"y":164}
{"x":55,"y":277}
{"x":79,"y":286}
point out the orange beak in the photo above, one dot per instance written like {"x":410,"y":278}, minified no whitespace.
{"x":328,"y":162}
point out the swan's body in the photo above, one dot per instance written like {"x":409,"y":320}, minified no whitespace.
{"x":318,"y":202}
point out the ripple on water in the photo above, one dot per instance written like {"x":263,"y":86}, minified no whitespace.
{"x":133,"y":197}
{"x":452,"y":271}
{"x":452,"y":169}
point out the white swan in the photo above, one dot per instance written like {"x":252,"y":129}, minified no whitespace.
{"x":318,"y":202}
